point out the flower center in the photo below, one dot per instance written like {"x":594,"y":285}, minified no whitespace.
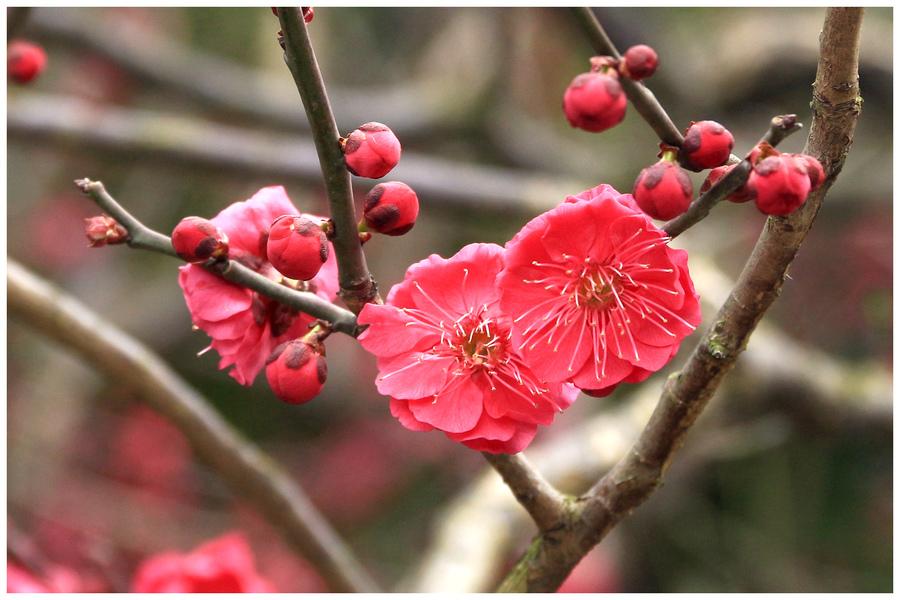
{"x":478,"y":342}
{"x":597,"y":287}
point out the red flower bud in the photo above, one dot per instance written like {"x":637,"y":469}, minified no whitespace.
{"x":371,"y":151}
{"x":102,"y":230}
{"x":595,"y":101}
{"x":742,"y":194}
{"x":706,"y":145}
{"x":196,"y":240}
{"x":24,"y":61}
{"x":297,"y":247}
{"x":813,"y":168}
{"x":639,"y":62}
{"x":296,"y":371}
{"x":391,"y":208}
{"x":663,"y":190}
{"x":781,"y":184}
{"x":760,"y":151}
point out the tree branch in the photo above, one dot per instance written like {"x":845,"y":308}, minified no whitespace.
{"x":543,"y":502}
{"x":780,"y":127}
{"x":357,"y":286}
{"x":552,"y":555}
{"x":238,"y":152}
{"x":141,"y":236}
{"x":241,"y":464}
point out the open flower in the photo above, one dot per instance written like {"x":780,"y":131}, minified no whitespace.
{"x":595,"y":294}
{"x":224,"y":564}
{"x":245,"y":327}
{"x":446,"y":359}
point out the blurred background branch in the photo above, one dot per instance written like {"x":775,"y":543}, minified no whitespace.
{"x":247,"y":469}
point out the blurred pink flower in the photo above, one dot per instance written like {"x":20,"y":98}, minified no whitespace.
{"x":445,"y":357}
{"x":224,"y":564}
{"x":55,"y":579}
{"x":245,"y":327}
{"x":597,"y":573}
{"x":597,"y":296}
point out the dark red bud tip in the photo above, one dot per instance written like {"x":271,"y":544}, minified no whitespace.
{"x":102,"y":230}
{"x":595,"y":101}
{"x":308,"y":14}
{"x":297,"y":247}
{"x":197,"y":240}
{"x":663,"y":190}
{"x":296,"y":371}
{"x":24,"y":61}
{"x":781,"y":184}
{"x":391,"y":208}
{"x":639,"y":62}
{"x":371,"y":150}
{"x":706,"y":145}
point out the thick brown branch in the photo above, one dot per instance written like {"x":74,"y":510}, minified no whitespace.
{"x":542,"y":501}
{"x":357,"y":286}
{"x":780,"y":127}
{"x":241,"y":464}
{"x":141,"y":236}
{"x":639,"y":473}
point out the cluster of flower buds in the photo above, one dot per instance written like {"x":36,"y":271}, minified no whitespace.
{"x":296,"y":370}
{"x":595,"y":101}
{"x":391,"y":208}
{"x":24,"y":61}
{"x":779,"y":183}
{"x":664,"y":190}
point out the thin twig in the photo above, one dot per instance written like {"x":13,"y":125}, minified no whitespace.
{"x":542,"y":501}
{"x":241,"y":464}
{"x":780,"y":127}
{"x":357,"y":286}
{"x":141,"y":236}
{"x":633,"y":479}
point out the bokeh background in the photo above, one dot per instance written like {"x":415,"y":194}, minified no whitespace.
{"x":785,"y":485}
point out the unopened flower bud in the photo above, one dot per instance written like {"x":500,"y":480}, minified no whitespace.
{"x":197,"y":240}
{"x":102,"y":230}
{"x":297,"y":370}
{"x":706,"y":145}
{"x":781,"y":184}
{"x":742,"y":194}
{"x":24,"y":61}
{"x":663,"y":190}
{"x":639,"y":62}
{"x":297,"y":247}
{"x":595,"y":101}
{"x":813,"y":169}
{"x":371,"y":150}
{"x":391,"y":208}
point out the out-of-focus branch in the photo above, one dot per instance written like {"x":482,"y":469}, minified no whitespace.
{"x":141,"y":236}
{"x":780,"y":127}
{"x":229,"y":87}
{"x":16,"y":17}
{"x":633,"y":479}
{"x":185,"y":142}
{"x":357,"y":286}
{"x":241,"y":464}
